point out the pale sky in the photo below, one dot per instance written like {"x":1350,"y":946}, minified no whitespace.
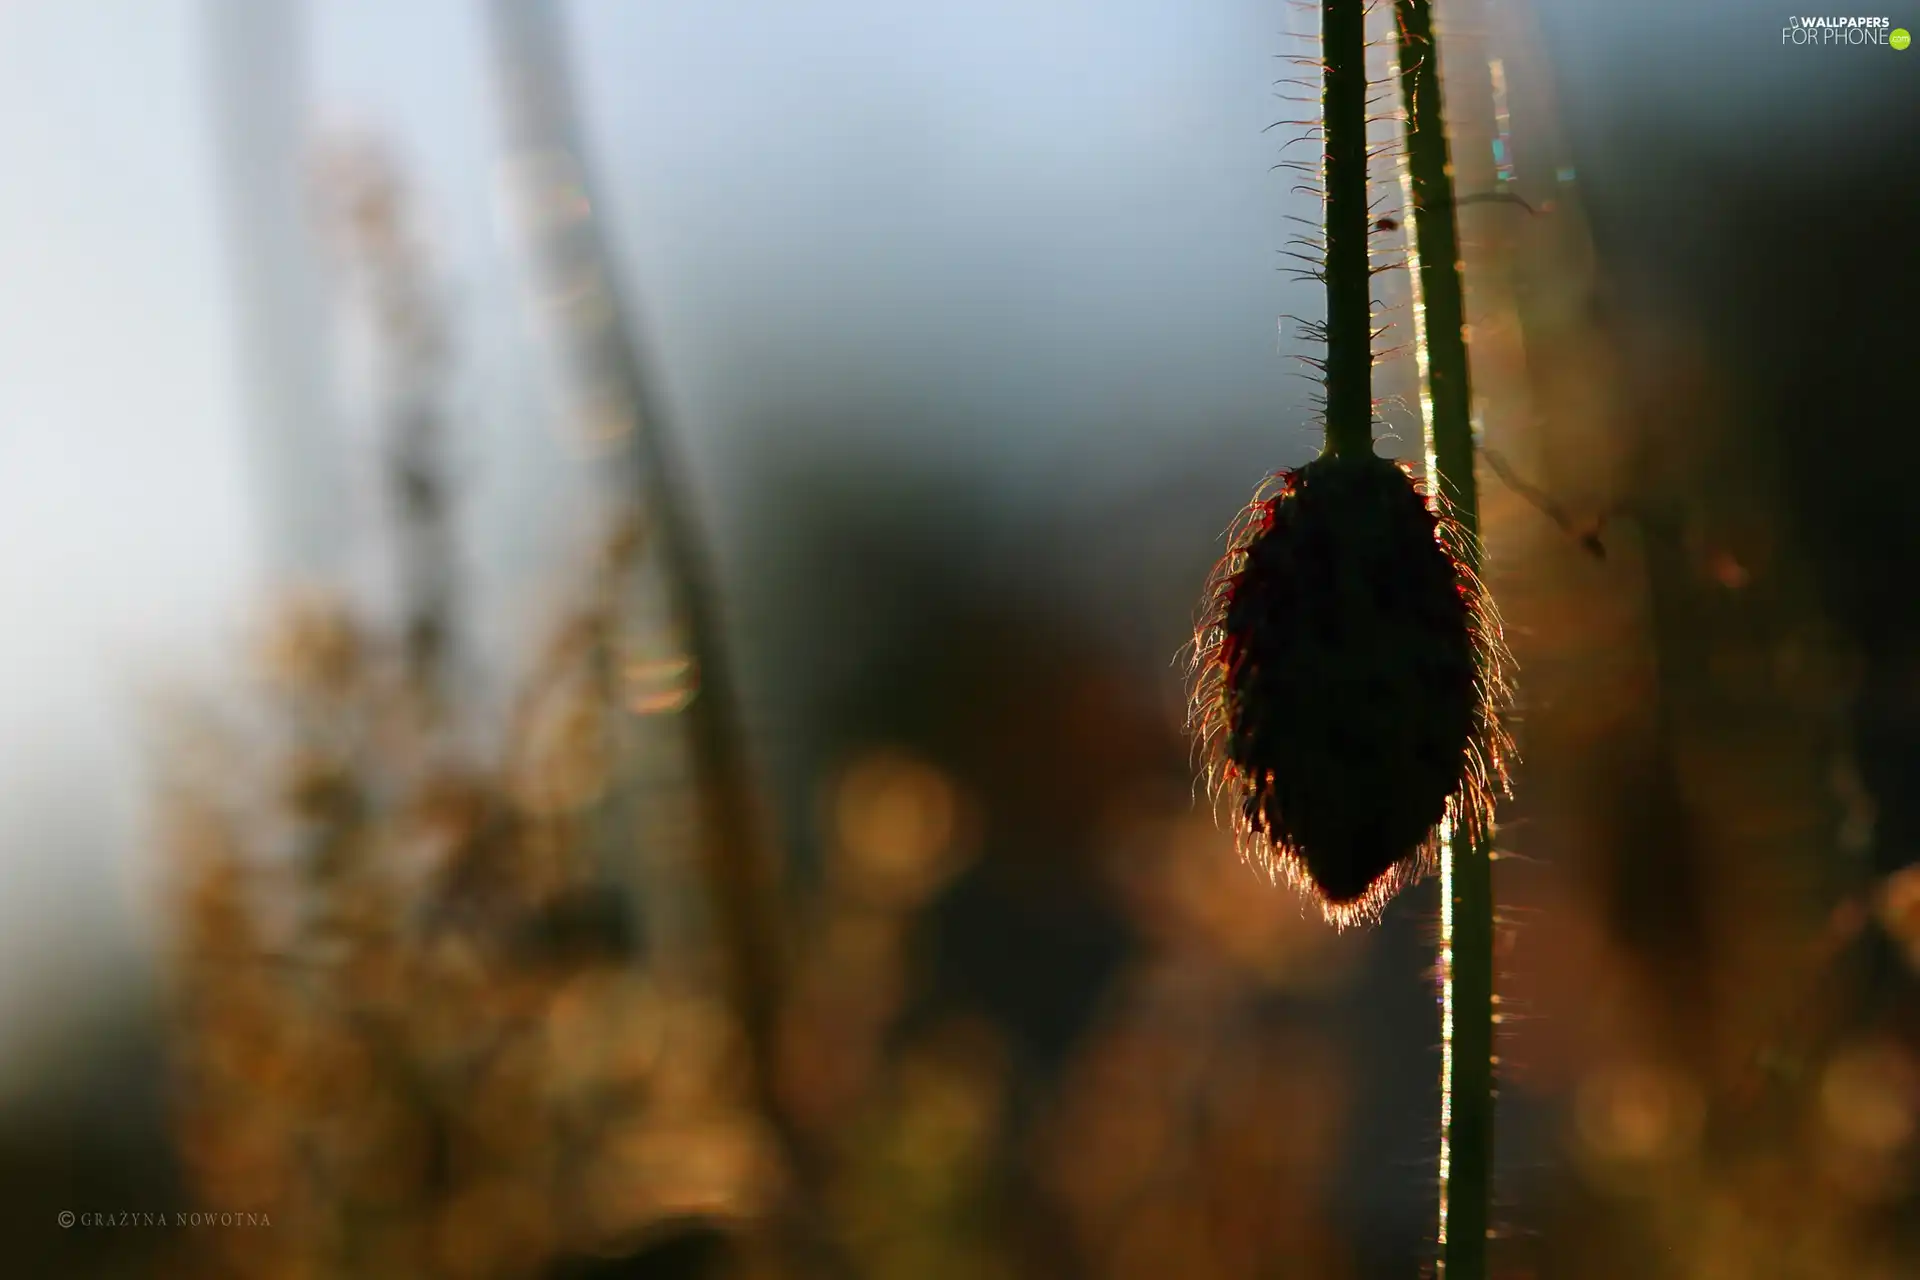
{"x":123,"y":530}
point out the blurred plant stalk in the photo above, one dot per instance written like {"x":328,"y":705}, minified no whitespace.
{"x":553,"y":191}
{"x":256,"y":62}
{"x":413,"y":343}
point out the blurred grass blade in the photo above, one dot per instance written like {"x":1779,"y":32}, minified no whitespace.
{"x":544,"y":139}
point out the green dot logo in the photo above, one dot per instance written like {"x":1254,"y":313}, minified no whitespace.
{"x":1899,"y":39}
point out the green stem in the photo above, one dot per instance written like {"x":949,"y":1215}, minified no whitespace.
{"x":1349,"y":380}
{"x":1467,"y":1083}
{"x":1467,"y":1086}
{"x":1437,"y":257}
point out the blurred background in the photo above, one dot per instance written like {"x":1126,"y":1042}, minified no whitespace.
{"x":593,"y":604}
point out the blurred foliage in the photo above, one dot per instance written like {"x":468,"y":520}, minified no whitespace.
{"x":410,"y":1030}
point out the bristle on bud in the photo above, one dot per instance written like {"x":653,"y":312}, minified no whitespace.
{"x":1348,"y":680}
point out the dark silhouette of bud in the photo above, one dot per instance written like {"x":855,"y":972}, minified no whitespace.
{"x":1347,"y":683}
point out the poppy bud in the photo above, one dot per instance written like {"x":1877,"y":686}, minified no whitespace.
{"x":1346,"y":683}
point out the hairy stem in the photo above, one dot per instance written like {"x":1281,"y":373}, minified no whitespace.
{"x":1442,"y":313}
{"x":1466,"y":934}
{"x":1349,"y":380}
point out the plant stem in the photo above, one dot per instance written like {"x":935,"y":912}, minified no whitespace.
{"x":740,"y":884}
{"x":259,"y":57}
{"x":1343,"y":116}
{"x":1466,"y":875}
{"x":1442,"y":313}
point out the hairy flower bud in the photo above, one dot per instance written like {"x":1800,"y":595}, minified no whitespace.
{"x":1347,"y":679}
